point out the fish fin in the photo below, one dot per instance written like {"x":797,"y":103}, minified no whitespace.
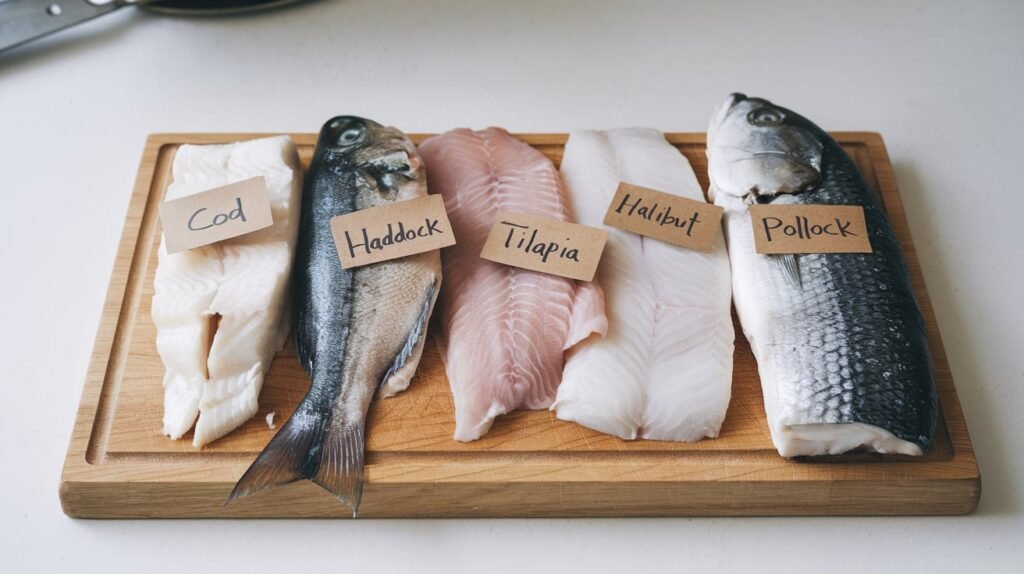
{"x":791,"y":268}
{"x":304,"y":347}
{"x":340,"y":470}
{"x":290,"y":455}
{"x":341,"y":464}
{"x":417,"y":333}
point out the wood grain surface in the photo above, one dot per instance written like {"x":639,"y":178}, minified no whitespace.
{"x":120,"y":465}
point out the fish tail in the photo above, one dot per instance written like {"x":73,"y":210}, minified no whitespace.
{"x":340,"y":471}
{"x":290,"y":456}
{"x":310,"y":447}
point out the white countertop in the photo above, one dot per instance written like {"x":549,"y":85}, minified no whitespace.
{"x":943,"y":84}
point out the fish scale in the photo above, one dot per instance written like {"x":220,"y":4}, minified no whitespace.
{"x":842,"y":350}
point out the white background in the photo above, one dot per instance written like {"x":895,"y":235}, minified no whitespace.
{"x":942,"y":83}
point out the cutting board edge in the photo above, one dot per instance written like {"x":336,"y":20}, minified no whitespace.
{"x":550,"y":499}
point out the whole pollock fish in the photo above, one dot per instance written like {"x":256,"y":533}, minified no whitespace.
{"x":839,"y":340}
{"x":356,"y":330}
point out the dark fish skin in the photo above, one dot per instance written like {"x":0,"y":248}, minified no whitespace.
{"x":893,"y":382}
{"x":852,"y":329}
{"x":354,"y":329}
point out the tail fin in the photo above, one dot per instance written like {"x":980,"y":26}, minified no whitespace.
{"x":291,"y":455}
{"x":341,"y":464}
{"x":309,"y":446}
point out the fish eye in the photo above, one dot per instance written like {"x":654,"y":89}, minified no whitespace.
{"x":349,"y":136}
{"x":347,"y":131}
{"x":765,"y":117}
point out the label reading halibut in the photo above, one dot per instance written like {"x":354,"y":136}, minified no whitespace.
{"x":546,"y":245}
{"x":809,"y":229}
{"x":216,"y":214}
{"x":665,"y":217}
{"x":391,"y":231}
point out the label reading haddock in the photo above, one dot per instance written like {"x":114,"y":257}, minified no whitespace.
{"x":809,"y":229}
{"x":216,"y":214}
{"x":665,"y":217}
{"x":392,"y":231}
{"x":546,"y":245}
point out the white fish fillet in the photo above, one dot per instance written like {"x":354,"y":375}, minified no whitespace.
{"x":664,"y":370}
{"x":503,"y":330}
{"x":233,"y":291}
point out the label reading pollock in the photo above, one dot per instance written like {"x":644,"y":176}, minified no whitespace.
{"x":540,"y":244}
{"x":216,"y":214}
{"x":391,"y":231}
{"x":665,"y":217}
{"x":809,"y":229}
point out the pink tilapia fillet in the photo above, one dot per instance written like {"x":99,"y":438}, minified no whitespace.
{"x":503,"y":329}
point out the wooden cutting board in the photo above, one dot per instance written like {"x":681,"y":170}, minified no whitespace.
{"x":119,"y":465}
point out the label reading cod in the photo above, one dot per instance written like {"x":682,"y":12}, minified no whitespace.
{"x":216,"y":214}
{"x":665,"y":217}
{"x":391,"y":231}
{"x":792,"y":228}
{"x":546,"y":245}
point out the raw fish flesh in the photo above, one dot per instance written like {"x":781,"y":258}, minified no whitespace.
{"x":503,"y":329}
{"x":839,"y":340}
{"x":664,"y":370}
{"x":358,"y":331}
{"x":221,"y":310}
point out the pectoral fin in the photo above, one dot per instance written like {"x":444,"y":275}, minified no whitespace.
{"x":402,"y":369}
{"x":790,"y":266}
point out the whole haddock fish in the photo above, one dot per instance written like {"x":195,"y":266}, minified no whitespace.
{"x":839,"y":339}
{"x":356,"y":330}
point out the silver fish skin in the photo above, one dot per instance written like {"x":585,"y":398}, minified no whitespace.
{"x":839,"y":340}
{"x":358,"y":332}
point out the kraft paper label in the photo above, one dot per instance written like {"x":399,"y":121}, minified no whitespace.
{"x":809,"y":229}
{"x":665,"y":217}
{"x":392,"y":231}
{"x":546,"y":245}
{"x":216,"y":214}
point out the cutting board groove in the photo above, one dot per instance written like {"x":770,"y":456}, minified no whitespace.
{"x":119,"y":465}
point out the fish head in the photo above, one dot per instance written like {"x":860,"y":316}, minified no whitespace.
{"x":386,"y":162}
{"x":758,"y":150}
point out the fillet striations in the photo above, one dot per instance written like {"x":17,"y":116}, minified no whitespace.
{"x":664,"y":370}
{"x":503,"y":330}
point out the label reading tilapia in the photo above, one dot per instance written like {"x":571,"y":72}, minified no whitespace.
{"x":546,"y":245}
{"x":392,"y":231}
{"x":665,"y":217}
{"x":794,"y":228}
{"x":216,"y":214}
